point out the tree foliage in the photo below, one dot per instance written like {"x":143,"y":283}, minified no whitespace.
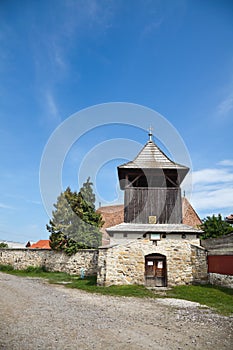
{"x":75,"y":223}
{"x":214,"y":226}
{"x":3,"y":245}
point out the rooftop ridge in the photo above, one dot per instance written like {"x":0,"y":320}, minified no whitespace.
{"x":151,"y":156}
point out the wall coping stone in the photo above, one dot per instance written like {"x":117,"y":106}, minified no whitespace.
{"x":46,"y":249}
{"x":198,"y":246}
{"x":222,"y":252}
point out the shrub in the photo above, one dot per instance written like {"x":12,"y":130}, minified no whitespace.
{"x":3,"y":245}
{"x":35,"y":269}
{"x":6,"y":268}
{"x":214,"y":226}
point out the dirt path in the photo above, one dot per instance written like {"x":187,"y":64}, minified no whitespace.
{"x":36,"y":315}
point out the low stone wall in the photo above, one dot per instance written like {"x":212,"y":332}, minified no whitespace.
{"x":51,"y":260}
{"x":221,"y":280}
{"x":199,"y":264}
{"x":120,"y":264}
{"x":125,"y":263}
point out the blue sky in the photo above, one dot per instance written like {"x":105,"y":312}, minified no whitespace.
{"x":59,"y":57}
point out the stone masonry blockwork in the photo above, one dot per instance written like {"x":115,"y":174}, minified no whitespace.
{"x":125,"y":263}
{"x":221,"y":280}
{"x":51,"y":260}
{"x":120,"y":264}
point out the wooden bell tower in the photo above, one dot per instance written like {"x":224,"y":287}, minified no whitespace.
{"x":151,"y":184}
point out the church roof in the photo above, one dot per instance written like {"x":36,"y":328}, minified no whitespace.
{"x":114,"y":214}
{"x":152,"y":157}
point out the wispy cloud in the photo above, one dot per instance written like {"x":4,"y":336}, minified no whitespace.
{"x":53,"y":48}
{"x":5,"y":206}
{"x":75,"y":20}
{"x":226,"y":162}
{"x":225,"y":106}
{"x":215,"y":175}
{"x":89,"y":14}
{"x":213,"y":190}
{"x":151,"y":27}
{"x":33,"y":202}
{"x":23,"y":199}
{"x":213,"y":200}
{"x":51,"y":107}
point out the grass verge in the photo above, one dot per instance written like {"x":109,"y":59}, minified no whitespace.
{"x":89,"y":284}
{"x":73,"y":281}
{"x":218,"y":298}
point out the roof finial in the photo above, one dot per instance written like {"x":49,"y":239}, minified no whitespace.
{"x":150,"y":133}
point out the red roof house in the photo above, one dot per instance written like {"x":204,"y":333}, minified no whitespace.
{"x":41,"y":244}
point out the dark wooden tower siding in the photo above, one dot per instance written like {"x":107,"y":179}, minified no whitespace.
{"x":152,"y":187}
{"x":163,"y":203}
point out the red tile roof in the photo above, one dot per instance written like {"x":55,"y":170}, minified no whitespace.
{"x":190,"y":216}
{"x":229,"y":218}
{"x":114,"y":215}
{"x":41,"y":244}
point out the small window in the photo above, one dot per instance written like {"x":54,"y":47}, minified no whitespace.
{"x":125,"y":234}
{"x":164,"y":235}
{"x":183,"y":235}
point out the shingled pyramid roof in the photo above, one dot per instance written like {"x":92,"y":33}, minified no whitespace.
{"x":152,"y":157}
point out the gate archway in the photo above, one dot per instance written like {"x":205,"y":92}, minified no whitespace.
{"x":155,"y":270}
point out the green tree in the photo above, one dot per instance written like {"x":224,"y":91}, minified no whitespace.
{"x":3,"y":245}
{"x":214,"y":226}
{"x":75,"y":223}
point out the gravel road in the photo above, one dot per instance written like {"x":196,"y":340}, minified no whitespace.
{"x":36,"y":315}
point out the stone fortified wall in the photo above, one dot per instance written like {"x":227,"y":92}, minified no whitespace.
{"x":125,"y":263}
{"x":51,"y":260}
{"x":221,"y":280}
{"x":119,"y":264}
{"x":199,"y":264}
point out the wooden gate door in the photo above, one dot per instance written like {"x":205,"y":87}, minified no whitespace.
{"x":155,"y":270}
